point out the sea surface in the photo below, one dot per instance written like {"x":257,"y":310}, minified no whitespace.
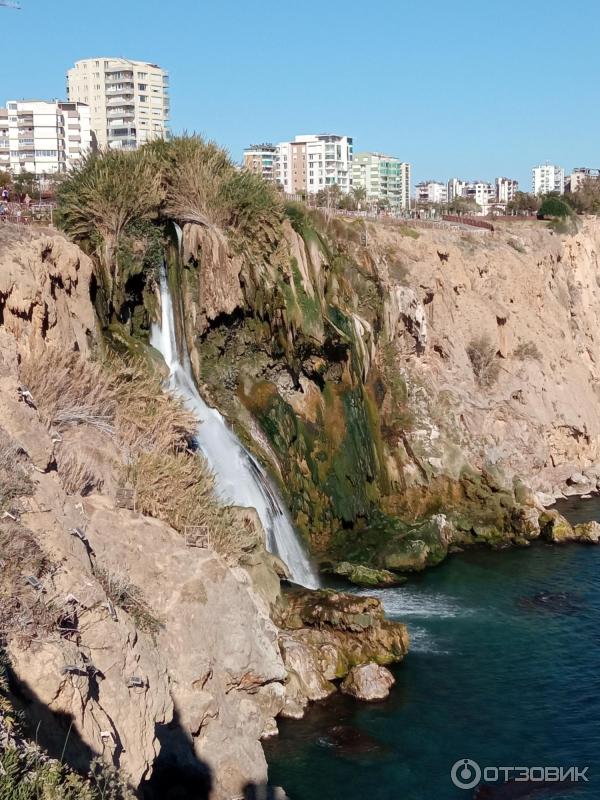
{"x":504,"y":669}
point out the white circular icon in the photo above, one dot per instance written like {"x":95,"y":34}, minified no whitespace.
{"x":465,"y":773}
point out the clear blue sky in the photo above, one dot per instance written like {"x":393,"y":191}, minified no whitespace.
{"x":473,"y":88}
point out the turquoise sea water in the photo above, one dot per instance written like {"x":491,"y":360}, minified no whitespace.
{"x":504,"y":669}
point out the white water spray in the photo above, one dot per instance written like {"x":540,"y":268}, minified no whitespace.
{"x":240,"y":479}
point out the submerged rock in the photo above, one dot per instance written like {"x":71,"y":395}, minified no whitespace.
{"x":553,"y":602}
{"x":368,"y":682}
{"x":350,"y":741}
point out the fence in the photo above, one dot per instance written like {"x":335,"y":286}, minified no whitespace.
{"x":472,"y":221}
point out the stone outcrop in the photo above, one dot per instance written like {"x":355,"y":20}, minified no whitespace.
{"x":325,"y":635}
{"x":368,"y":682}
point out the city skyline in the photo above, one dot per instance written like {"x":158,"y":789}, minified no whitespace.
{"x":429,"y":100}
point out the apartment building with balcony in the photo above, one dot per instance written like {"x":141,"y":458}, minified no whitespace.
{"x":129,"y":100}
{"x":262,"y":160}
{"x":548,"y":178}
{"x":313,"y":162}
{"x":575,"y":180}
{"x":506,"y":189}
{"x":431,"y":192}
{"x":4,"y":142}
{"x":384,"y":178}
{"x":44,"y":137}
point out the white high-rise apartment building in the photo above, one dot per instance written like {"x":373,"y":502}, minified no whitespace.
{"x":43,"y":137}
{"x":432,"y":192}
{"x":129,"y":100}
{"x":548,"y":178}
{"x":506,"y":189}
{"x":385,"y":178}
{"x":311,"y":163}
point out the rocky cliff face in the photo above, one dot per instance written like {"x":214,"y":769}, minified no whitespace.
{"x":165,"y":660}
{"x":392,"y":374}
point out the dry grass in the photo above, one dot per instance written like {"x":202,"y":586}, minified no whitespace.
{"x":527,"y":350}
{"x":23,"y":612}
{"x":128,"y":597}
{"x":120,"y":398}
{"x":484,"y":361}
{"x":14,"y":479}
{"x":151,"y":433}
{"x":179,"y":488}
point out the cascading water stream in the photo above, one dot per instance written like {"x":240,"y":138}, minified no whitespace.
{"x":240,"y":479}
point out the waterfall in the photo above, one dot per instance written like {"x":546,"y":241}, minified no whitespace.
{"x":240,"y":479}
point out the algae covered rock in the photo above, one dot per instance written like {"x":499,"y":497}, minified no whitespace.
{"x":326,"y":634}
{"x":588,"y":532}
{"x":361,"y":575}
{"x":368,"y":682}
{"x":555,"y":528}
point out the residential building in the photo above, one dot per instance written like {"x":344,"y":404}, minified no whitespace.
{"x":574,"y":181}
{"x":548,"y":178}
{"x":129,"y":100}
{"x":385,"y":178}
{"x":482,"y":193}
{"x":432,"y":192}
{"x":314,"y":162}
{"x":262,"y":160}
{"x":45,"y":137}
{"x":4,"y":143}
{"x":506,"y":189}
{"x":456,"y":188}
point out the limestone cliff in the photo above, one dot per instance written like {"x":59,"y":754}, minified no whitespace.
{"x":393,"y":373}
{"x":167,"y":661}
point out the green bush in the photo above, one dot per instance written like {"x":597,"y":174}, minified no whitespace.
{"x":554,"y":207}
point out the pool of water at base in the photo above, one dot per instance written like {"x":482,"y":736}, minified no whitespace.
{"x":504,"y":669}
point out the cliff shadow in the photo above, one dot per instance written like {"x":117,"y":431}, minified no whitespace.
{"x":53,"y":731}
{"x":178,"y":773}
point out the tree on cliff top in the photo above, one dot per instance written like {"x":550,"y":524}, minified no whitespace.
{"x":103,"y":196}
{"x":553,"y":206}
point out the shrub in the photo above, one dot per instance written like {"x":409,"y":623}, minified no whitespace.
{"x":517,"y":245}
{"x":103,"y":196}
{"x":527,"y":350}
{"x":482,"y":356}
{"x":128,"y":597}
{"x":554,"y":207}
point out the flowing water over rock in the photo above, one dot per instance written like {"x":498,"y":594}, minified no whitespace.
{"x":488,"y":677}
{"x":240,"y":479}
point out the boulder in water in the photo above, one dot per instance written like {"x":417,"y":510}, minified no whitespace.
{"x":350,"y":741}
{"x":588,"y":532}
{"x":361,"y":575}
{"x":368,"y":682}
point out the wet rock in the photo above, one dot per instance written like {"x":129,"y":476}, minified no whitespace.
{"x":328,"y":633}
{"x":555,"y":528}
{"x":588,"y":532}
{"x":368,"y":682}
{"x":361,"y":575}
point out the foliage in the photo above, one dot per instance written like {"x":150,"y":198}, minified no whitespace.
{"x":103,"y":196}
{"x":523,"y":203}
{"x":482,"y":355}
{"x":553,"y":206}
{"x":202,"y":185}
{"x":462,"y":205}
{"x":586,"y":199}
{"x":27,"y":774}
